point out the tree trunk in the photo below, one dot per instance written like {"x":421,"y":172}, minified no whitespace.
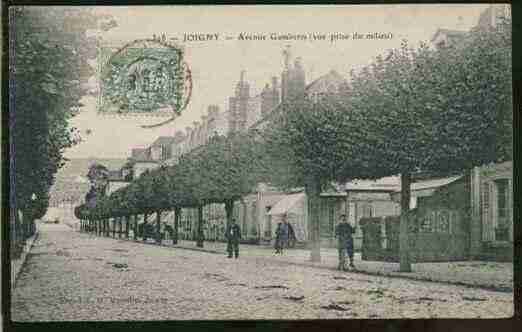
{"x":313,"y":190}
{"x":144,"y":233}
{"x":158,"y":227}
{"x":114,"y":227}
{"x":127,"y":226}
{"x":107,"y":227}
{"x":120,"y":227}
{"x":135,"y":233}
{"x":229,"y":210}
{"x":199,"y":238}
{"x":177,"y":216}
{"x":404,"y":257}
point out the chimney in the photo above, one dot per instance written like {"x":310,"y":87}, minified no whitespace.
{"x":286,"y":56}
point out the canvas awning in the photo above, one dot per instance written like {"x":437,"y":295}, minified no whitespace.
{"x":285,"y":204}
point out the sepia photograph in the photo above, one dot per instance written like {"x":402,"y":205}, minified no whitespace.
{"x":304,"y":162}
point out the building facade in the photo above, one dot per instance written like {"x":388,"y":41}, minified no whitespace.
{"x":492,"y":211}
{"x":455,"y":218}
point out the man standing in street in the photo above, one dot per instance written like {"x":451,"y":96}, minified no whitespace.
{"x":344,"y":232}
{"x":233,"y":234}
{"x":284,"y":232}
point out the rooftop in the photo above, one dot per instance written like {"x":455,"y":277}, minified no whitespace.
{"x":322,"y":82}
{"x":164,"y":140}
{"x":390,"y":183}
{"x":432,"y":183}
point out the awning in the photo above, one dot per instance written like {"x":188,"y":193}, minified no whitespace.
{"x":285,"y":204}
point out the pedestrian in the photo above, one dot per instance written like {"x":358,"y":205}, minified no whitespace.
{"x":233,"y":235}
{"x":278,"y":240}
{"x":344,"y":233}
{"x":285,"y":232}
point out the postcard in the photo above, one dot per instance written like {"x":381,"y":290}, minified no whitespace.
{"x":260,"y":162}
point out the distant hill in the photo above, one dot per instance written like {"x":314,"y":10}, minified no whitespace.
{"x":71,"y":184}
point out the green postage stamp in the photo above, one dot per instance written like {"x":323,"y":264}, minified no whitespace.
{"x":147,"y":76}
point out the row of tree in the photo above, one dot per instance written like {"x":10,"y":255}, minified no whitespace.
{"x":221,"y":171}
{"x":49,"y":53}
{"x":435,"y":112}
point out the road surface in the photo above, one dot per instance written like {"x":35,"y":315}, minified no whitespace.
{"x":72,"y":276}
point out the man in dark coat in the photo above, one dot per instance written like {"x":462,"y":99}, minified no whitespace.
{"x":344,"y":233}
{"x":233,"y":235}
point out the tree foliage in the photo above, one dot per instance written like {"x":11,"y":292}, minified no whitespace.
{"x":48,"y":69}
{"x":439,"y":111}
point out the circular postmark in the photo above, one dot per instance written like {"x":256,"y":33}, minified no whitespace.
{"x":145,"y":76}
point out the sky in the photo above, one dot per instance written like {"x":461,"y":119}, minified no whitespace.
{"x":216,"y":65}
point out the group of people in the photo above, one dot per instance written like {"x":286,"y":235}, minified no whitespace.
{"x":343,"y":232}
{"x":284,"y":233}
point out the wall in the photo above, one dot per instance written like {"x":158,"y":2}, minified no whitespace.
{"x":436,"y":235}
{"x":368,"y":204}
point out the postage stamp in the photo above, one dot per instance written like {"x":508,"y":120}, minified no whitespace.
{"x":145,"y":76}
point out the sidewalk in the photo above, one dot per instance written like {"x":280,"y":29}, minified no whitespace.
{"x":496,"y":276}
{"x":16,"y":264}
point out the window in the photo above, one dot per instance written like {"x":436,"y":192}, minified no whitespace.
{"x":331,"y":218}
{"x":428,"y":222}
{"x":444,"y":222}
{"x":502,"y":198}
{"x":485,"y":201}
{"x":367,"y":210}
{"x":502,"y":210}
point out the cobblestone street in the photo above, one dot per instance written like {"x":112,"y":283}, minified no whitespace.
{"x":71,"y":276}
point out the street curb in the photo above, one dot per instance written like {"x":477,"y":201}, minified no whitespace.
{"x":503,"y":289}
{"x":17,"y":265}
